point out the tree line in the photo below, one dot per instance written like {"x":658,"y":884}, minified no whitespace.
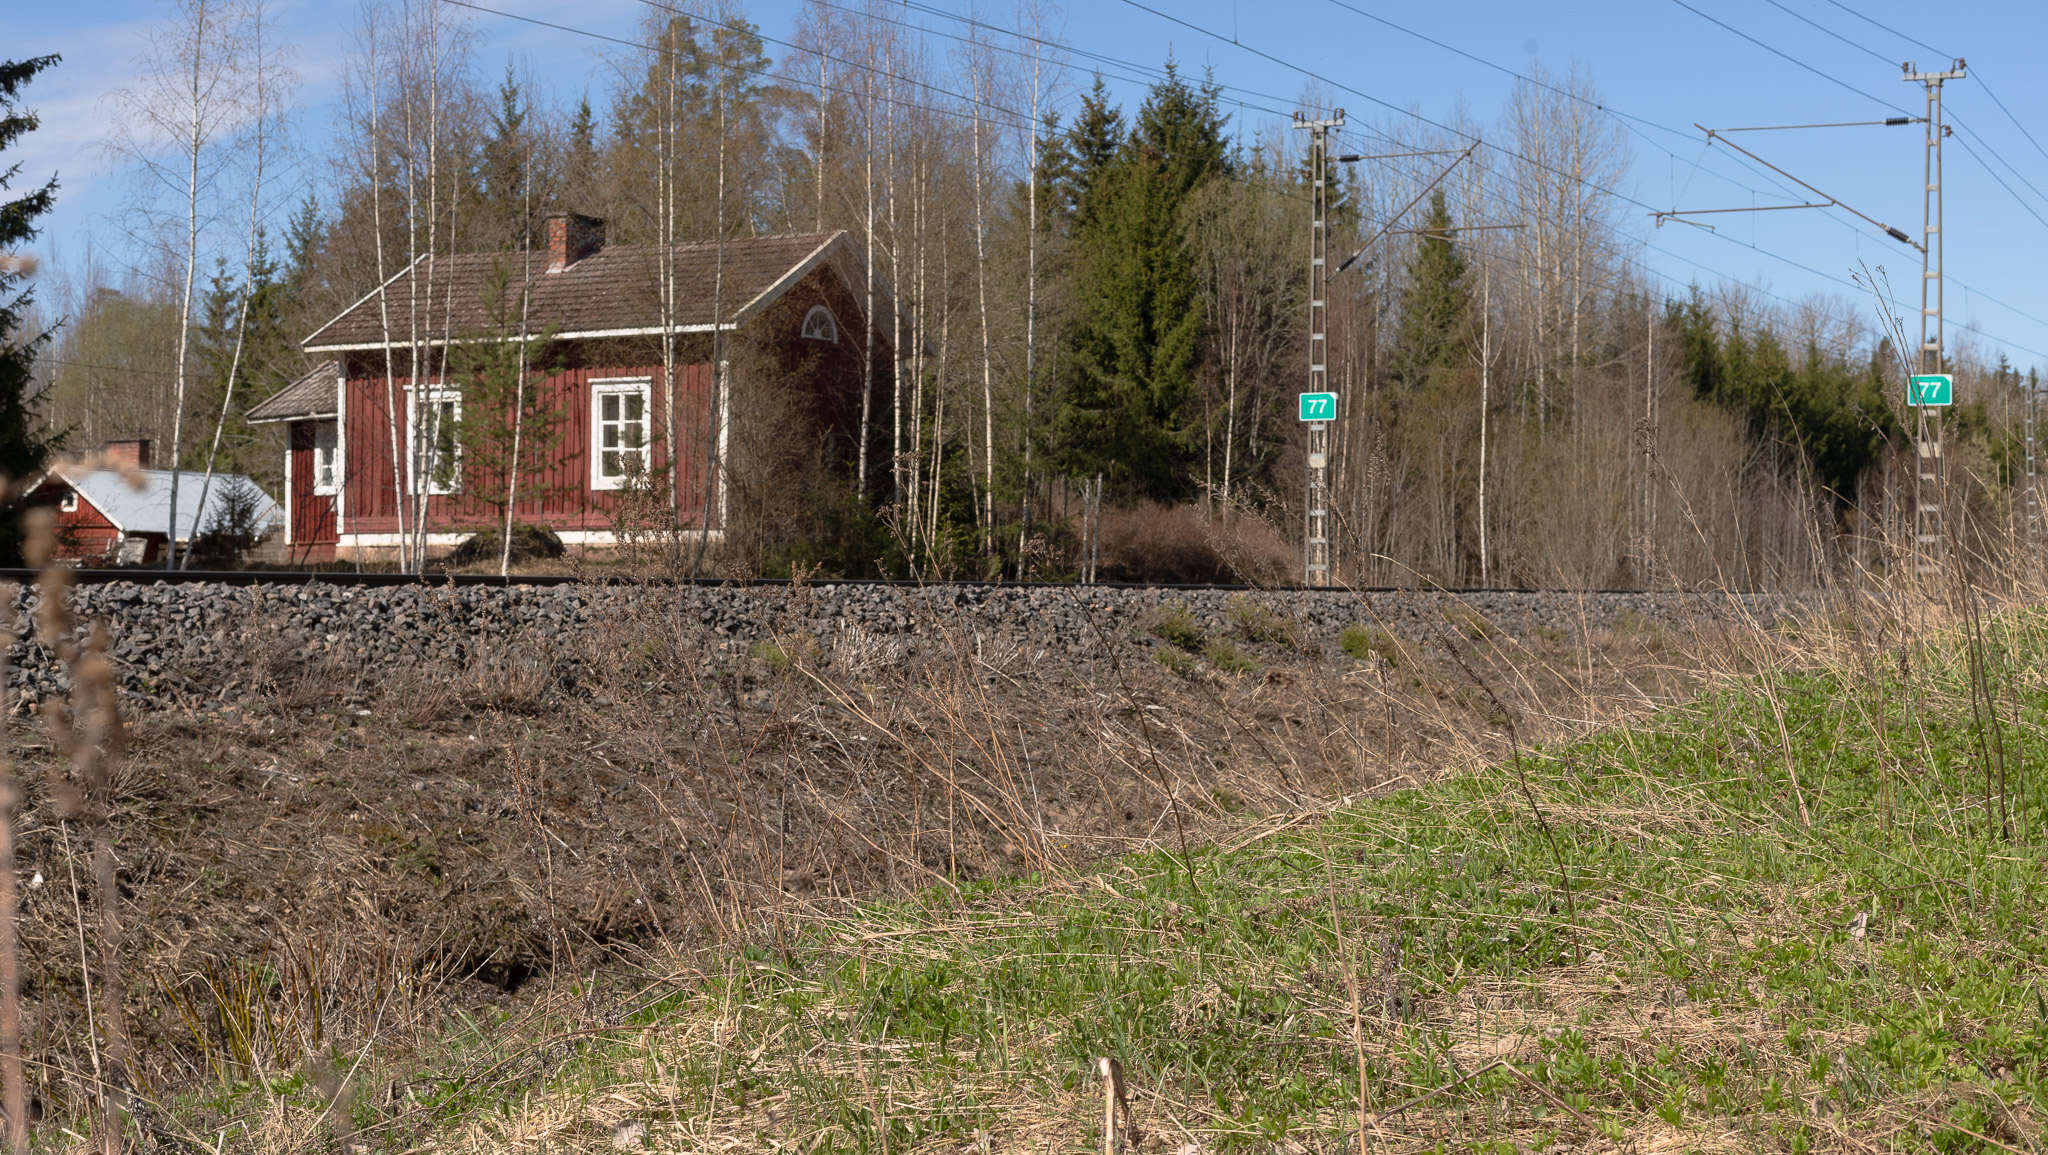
{"x":1087,"y":289}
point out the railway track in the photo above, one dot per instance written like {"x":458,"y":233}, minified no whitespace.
{"x":376,"y":579}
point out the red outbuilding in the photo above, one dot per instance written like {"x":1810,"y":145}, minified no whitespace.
{"x":116,"y":510}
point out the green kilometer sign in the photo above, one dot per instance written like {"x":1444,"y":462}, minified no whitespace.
{"x":1318,"y":406}
{"x":1931,"y":389}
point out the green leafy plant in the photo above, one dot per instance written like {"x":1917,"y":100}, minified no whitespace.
{"x":1224,"y":656}
{"x":1256,"y":623}
{"x":1176,"y":626}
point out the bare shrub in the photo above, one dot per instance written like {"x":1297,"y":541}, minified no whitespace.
{"x":1150,"y":542}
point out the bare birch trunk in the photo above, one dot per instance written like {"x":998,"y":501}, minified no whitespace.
{"x":194,"y":143}
{"x":939,"y":388}
{"x":895,"y":322}
{"x":430,"y":448}
{"x":1030,"y":305}
{"x":665,"y":234}
{"x":1485,"y":401}
{"x":519,"y":385}
{"x":867,"y":357}
{"x":370,"y":30}
{"x":988,"y":389}
{"x":259,"y":123}
{"x":714,"y":408}
{"x":917,"y":337}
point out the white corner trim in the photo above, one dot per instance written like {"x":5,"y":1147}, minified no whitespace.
{"x":341,"y":446}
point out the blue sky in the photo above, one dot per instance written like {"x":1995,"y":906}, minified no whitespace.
{"x":1661,"y":65}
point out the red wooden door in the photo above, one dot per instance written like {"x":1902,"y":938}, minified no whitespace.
{"x":312,"y":512}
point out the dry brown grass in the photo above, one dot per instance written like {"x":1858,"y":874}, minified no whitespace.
{"x":1623,"y":1014}
{"x":325,"y":872}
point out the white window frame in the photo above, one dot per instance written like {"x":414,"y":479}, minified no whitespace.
{"x":69,"y":502}
{"x":333,"y":451}
{"x":817,"y":311}
{"x":601,"y":388}
{"x":419,"y":397}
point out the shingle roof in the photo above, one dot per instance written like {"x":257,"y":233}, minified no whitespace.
{"x":615,"y":290}
{"x":317,"y":394}
{"x":149,"y":510}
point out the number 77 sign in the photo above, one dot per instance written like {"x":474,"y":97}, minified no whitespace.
{"x":1318,"y":406}
{"x":1931,"y":389}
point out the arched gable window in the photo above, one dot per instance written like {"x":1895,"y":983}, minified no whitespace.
{"x":819,"y":325}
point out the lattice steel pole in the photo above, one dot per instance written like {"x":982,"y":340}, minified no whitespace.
{"x":1930,"y":472}
{"x":1316,"y":517}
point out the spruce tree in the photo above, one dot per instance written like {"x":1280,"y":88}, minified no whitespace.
{"x":25,"y":446}
{"x":507,"y":176}
{"x":303,"y":238}
{"x":1136,"y":341}
{"x":1075,"y":161}
{"x":582,"y":175}
{"x":1436,"y":303}
{"x":262,"y":359}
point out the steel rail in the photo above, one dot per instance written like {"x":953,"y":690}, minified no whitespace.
{"x":359,"y":579}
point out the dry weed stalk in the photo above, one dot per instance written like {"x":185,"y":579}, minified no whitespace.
{"x":90,"y":732}
{"x":13,"y":1091}
{"x":1507,"y":716}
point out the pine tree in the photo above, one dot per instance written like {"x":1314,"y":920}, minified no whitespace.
{"x":695,"y":66}
{"x":24,"y":445}
{"x":509,"y":425}
{"x":1136,"y":340}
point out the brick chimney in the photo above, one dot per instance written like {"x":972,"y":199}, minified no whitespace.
{"x":126,"y":454}
{"x":572,"y":237}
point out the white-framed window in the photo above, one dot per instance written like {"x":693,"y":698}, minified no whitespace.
{"x":326,"y":459}
{"x":619,"y":431}
{"x":69,"y":502}
{"x":433,"y":438}
{"x":820,"y":326}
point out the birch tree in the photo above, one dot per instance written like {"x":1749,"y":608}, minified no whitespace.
{"x":191,"y":84}
{"x":269,"y":84}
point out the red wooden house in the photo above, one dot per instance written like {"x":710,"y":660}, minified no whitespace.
{"x":372,"y":423}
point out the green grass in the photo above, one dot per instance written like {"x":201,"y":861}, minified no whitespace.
{"x":1176,"y":626}
{"x":1260,"y":624}
{"x":1668,"y":957}
{"x":1227,"y":658}
{"x":1366,"y":644}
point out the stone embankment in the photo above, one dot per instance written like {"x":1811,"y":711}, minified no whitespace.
{"x":209,"y":640}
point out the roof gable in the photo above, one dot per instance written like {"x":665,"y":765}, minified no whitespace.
{"x":613,"y":292}
{"x":316,"y":394}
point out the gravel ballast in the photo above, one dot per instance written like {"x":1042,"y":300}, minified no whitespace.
{"x":197,"y":639}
